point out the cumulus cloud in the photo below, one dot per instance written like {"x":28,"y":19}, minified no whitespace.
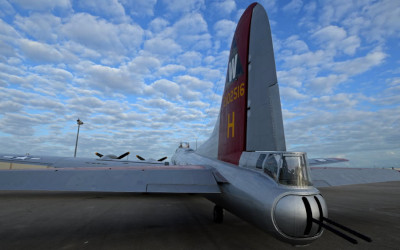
{"x":183,"y":5}
{"x":40,"y":52}
{"x":43,"y":27}
{"x":293,"y":77}
{"x":190,"y":95}
{"x":207,"y":73}
{"x":160,"y":46}
{"x":225,"y":6}
{"x":336,"y":11}
{"x":194,"y":83}
{"x":158,"y":24}
{"x":166,"y":87}
{"x":112,"y":79}
{"x":144,"y":75}
{"x":307,"y":59}
{"x":291,"y":93}
{"x":6,"y":9}
{"x":54,"y":73}
{"x":288,"y":115}
{"x":293,"y":6}
{"x":361,"y":64}
{"x":326,"y":84}
{"x":170,"y":69}
{"x":335,"y":38}
{"x":10,"y":106}
{"x":198,"y":104}
{"x":190,"y":58}
{"x":144,"y":65}
{"x":99,"y":34}
{"x":23,"y":124}
{"x":107,"y":8}
{"x":191,"y":24}
{"x":159,"y":103}
{"x":224,"y":28}
{"x":376,"y":21}
{"x":12,"y":69}
{"x":87,"y":101}
{"x":8,"y":32}
{"x":297,"y":45}
{"x":191,"y":31}
{"x":140,"y":7}
{"x":43,"y":5}
{"x":336,"y":102}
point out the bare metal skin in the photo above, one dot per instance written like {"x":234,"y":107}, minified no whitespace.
{"x":257,"y":198}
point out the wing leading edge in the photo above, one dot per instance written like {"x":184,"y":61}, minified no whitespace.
{"x":139,"y":179}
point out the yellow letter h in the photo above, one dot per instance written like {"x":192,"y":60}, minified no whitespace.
{"x":231,"y":125}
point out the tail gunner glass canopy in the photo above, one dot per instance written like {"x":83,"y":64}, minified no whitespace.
{"x":288,"y":169}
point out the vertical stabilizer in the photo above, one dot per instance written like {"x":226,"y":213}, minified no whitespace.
{"x":251,"y":116}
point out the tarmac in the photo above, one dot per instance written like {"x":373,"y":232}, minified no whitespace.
{"x":64,"y":220}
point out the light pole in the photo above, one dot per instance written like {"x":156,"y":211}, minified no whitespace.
{"x":79,"y":122}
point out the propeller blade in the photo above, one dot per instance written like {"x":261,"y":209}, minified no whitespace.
{"x":140,"y":158}
{"x":162,"y":158}
{"x":99,"y":155}
{"x":123,"y":155}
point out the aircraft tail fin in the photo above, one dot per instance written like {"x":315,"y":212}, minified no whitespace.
{"x":250,"y":118}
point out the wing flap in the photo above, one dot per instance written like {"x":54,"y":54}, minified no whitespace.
{"x":173,"y":188}
{"x":182,"y":179}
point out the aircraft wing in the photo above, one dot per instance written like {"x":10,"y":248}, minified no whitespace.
{"x":14,"y":161}
{"x":334,"y":176}
{"x":142,"y":179}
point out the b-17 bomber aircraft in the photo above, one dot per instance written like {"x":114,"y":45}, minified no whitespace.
{"x":243,"y":167}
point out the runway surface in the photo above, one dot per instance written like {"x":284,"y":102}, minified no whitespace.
{"x":55,"y":220}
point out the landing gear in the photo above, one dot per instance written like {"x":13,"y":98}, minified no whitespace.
{"x":218,"y":214}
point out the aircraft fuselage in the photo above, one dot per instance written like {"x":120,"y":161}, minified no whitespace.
{"x":255,"y":197}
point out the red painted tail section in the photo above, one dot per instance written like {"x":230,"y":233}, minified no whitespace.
{"x":233,"y":116}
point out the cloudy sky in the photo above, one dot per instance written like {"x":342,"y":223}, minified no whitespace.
{"x":144,"y":75}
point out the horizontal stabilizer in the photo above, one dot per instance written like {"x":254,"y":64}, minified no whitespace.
{"x":323,"y":161}
{"x":326,"y":177}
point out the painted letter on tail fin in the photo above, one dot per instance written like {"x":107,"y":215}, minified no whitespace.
{"x":234,"y":100}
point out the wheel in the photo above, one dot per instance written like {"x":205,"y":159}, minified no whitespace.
{"x":218,"y":214}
